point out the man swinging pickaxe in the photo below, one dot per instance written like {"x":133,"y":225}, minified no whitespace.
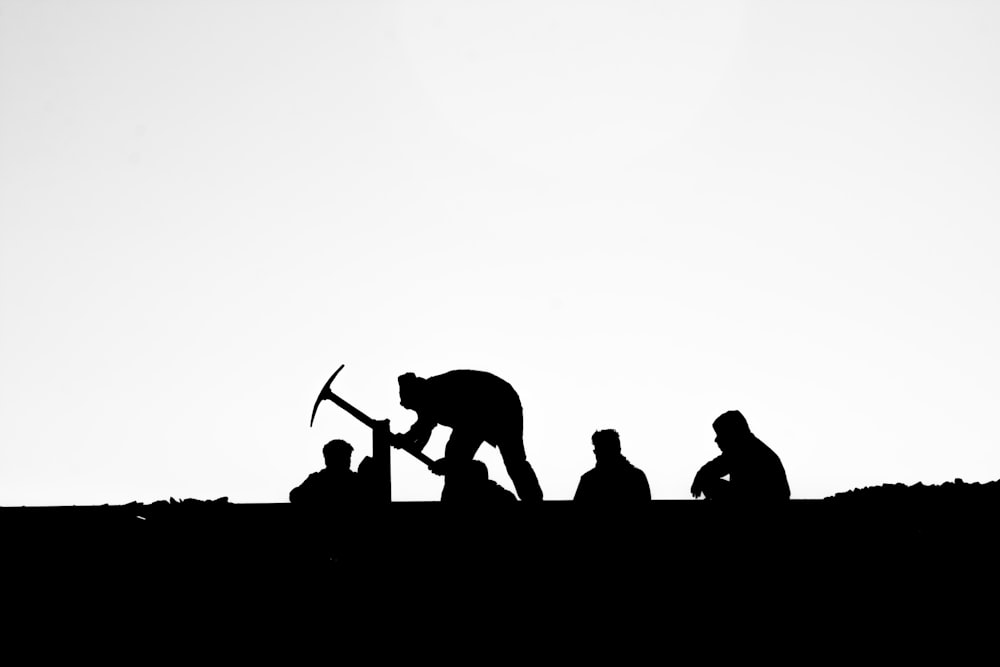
{"x":380,"y":429}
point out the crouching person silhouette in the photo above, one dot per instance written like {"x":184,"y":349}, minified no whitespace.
{"x":334,"y":487}
{"x":755,"y":471}
{"x":613,"y":480}
{"x":479,"y":407}
{"x":332,"y":507}
{"x":467,"y":484}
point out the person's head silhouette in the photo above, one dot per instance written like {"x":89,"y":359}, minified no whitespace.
{"x":731,"y":430}
{"x":474,"y":470}
{"x":467,"y":474}
{"x":607,"y":445}
{"x":337,"y":454}
{"x":410,"y":394}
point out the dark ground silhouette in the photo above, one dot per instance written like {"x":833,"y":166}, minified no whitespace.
{"x":806,"y":575}
{"x":973,"y":494}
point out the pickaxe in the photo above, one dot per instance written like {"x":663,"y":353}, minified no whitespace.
{"x":327,"y":393}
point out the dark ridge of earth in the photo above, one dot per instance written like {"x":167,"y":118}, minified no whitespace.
{"x":917,"y":562}
{"x":956,"y":491}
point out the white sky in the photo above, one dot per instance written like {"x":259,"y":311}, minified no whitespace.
{"x":641,"y":214}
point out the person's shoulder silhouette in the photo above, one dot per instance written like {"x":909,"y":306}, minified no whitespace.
{"x":754,"y":470}
{"x":613,"y":480}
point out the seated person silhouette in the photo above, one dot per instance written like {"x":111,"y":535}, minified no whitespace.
{"x":479,"y":407}
{"x":467,"y":483}
{"x":613,"y":480}
{"x":755,"y":471}
{"x":336,"y":485}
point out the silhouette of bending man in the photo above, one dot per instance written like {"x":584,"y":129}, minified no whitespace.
{"x":336,"y":485}
{"x":479,"y":407}
{"x":613,"y":480}
{"x":755,"y":471}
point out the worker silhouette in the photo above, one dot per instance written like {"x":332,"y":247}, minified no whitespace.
{"x":467,"y":483}
{"x":332,"y":507}
{"x":335,"y":486}
{"x":613,"y":480}
{"x":755,"y":471}
{"x":479,"y":407}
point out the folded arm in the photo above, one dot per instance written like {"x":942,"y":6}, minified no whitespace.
{"x":714,"y":469}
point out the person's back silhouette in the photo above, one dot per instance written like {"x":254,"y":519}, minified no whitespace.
{"x":467,"y":483}
{"x":479,"y":407}
{"x":613,"y":480}
{"x":755,"y":471}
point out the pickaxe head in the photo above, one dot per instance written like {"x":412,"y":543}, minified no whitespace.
{"x":326,"y":392}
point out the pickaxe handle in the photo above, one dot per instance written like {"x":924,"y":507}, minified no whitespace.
{"x":351,"y":410}
{"x":420,"y":456}
{"x":372,"y":424}
{"x":327,"y":393}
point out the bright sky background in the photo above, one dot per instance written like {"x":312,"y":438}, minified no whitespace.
{"x":640,"y":214}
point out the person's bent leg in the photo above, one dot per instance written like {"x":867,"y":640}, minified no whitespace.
{"x":520,"y":471}
{"x":462,"y":445}
{"x":717,"y":489}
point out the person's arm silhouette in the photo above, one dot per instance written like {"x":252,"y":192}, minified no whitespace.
{"x":416,"y":438}
{"x":439,"y":467}
{"x":715,"y":469}
{"x":307,"y":492}
{"x":642,"y":486}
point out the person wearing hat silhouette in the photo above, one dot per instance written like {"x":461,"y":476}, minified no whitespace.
{"x":755,"y":471}
{"x":479,"y":407}
{"x":332,"y":505}
{"x":613,"y":480}
{"x":336,"y":485}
